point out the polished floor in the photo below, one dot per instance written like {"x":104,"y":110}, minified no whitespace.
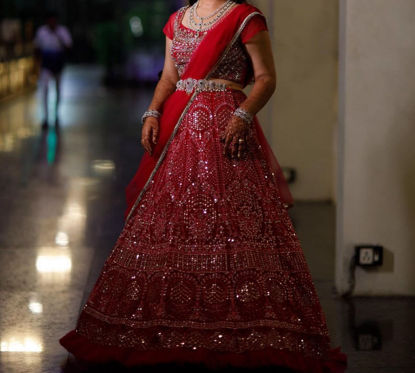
{"x":62,"y":204}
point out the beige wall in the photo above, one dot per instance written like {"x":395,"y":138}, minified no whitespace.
{"x":373,"y":144}
{"x":301,"y":117}
{"x":376,"y":195}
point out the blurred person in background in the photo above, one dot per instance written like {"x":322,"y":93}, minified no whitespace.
{"x":52,"y":42}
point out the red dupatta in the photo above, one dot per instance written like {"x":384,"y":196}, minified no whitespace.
{"x":208,"y":54}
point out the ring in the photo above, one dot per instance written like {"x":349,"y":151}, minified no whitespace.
{"x":241,"y":140}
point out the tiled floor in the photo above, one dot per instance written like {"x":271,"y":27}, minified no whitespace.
{"x":62,"y":202}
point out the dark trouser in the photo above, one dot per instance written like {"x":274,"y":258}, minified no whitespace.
{"x":52,"y":66}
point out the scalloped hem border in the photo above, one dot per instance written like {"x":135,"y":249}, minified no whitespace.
{"x":84,"y":350}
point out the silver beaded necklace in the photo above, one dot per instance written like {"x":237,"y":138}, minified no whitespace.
{"x":206,"y":22}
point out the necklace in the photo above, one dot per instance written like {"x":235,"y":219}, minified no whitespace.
{"x":203,"y":24}
{"x":224,"y":5}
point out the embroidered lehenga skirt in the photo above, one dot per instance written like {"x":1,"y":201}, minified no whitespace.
{"x":208,"y":268}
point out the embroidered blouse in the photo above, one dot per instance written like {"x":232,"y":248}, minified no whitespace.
{"x":236,"y":66}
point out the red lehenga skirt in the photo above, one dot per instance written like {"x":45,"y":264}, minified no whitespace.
{"x":208,"y":269}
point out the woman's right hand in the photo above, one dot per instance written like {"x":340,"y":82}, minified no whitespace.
{"x":150,"y":133}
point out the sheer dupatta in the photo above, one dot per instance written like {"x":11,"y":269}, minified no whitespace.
{"x":205,"y":58}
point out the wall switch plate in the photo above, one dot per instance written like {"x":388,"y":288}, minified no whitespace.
{"x":369,"y":255}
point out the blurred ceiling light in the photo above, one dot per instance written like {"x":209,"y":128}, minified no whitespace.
{"x":27,"y":344}
{"x":136,"y":26}
{"x":103,"y":167}
{"x":36,"y":307}
{"x":62,"y":239}
{"x":53,"y":263}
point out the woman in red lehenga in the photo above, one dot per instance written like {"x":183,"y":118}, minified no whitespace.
{"x":208,"y":268}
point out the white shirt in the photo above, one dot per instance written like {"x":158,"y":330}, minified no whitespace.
{"x":53,"y":41}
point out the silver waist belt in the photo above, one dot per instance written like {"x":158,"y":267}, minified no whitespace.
{"x":190,"y":84}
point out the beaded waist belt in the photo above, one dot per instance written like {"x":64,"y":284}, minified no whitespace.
{"x":191,"y":84}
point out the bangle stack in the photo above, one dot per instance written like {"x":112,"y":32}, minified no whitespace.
{"x":243,"y":114}
{"x":150,"y":113}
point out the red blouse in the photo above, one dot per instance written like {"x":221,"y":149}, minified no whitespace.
{"x":236,"y":66}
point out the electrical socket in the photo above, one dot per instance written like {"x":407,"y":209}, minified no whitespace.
{"x":369,"y":255}
{"x":366,"y":256}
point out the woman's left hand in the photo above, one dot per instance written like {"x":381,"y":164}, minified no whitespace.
{"x":236,"y":136}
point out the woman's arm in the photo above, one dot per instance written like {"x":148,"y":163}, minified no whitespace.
{"x":165,"y":87}
{"x":260,"y":51}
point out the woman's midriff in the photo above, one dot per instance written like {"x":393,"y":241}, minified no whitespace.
{"x":229,"y":84}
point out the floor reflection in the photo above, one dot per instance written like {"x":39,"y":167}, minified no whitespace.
{"x":23,"y":343}
{"x":62,"y":189}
